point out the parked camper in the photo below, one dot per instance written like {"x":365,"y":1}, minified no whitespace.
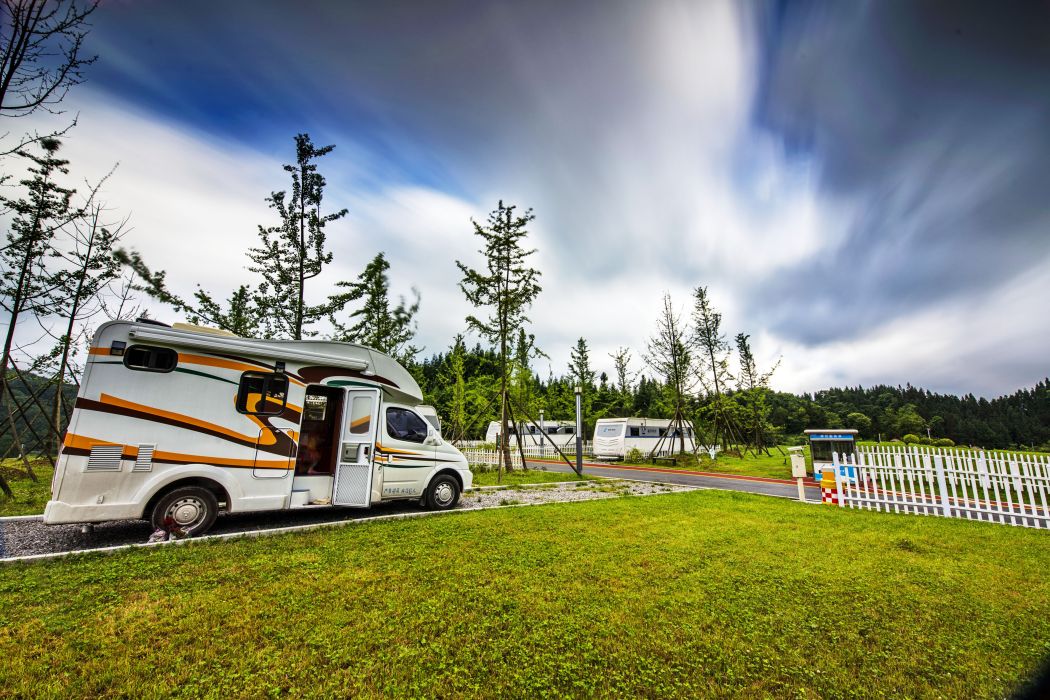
{"x":615,"y":437}
{"x":562,"y":433}
{"x":176,"y":424}
{"x":431,"y":414}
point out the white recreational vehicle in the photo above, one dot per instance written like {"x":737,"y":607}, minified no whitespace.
{"x":615,"y":437}
{"x":562,"y":433}
{"x":173,"y":424}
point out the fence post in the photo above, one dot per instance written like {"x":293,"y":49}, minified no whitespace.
{"x":942,"y":485}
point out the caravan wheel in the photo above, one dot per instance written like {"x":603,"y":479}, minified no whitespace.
{"x":443,"y":492}
{"x":192,"y":508}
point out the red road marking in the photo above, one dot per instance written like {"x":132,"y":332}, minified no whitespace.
{"x":738,"y":477}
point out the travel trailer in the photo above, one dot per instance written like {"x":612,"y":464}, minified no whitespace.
{"x":562,"y":433}
{"x":615,"y":437}
{"x":174,"y":424}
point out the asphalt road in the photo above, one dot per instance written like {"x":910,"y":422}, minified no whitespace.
{"x":768,"y":487}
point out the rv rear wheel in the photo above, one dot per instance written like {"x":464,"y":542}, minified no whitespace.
{"x":192,"y":509}
{"x":443,"y":492}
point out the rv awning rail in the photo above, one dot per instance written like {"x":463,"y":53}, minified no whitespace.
{"x":248,"y":347}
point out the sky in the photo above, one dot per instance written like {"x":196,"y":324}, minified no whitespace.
{"x":861,"y":186}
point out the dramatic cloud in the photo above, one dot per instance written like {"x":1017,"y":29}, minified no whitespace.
{"x":860,"y":186}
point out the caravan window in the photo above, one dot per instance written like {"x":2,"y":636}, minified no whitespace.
{"x":402,"y":424}
{"x":262,"y":393}
{"x":613,"y":430}
{"x":149,"y":358}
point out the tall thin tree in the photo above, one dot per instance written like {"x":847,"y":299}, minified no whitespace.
{"x":713,"y":363}
{"x":293,"y":252}
{"x":507,"y":286}
{"x":669,"y":354}
{"x":378,"y":324}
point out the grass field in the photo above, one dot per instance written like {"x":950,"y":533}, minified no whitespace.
{"x":698,"y":594}
{"x":774,"y":465}
{"x":516,"y":477}
{"x":30,"y":496}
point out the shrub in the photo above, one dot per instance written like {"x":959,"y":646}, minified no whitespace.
{"x":633,"y":455}
{"x":944,"y":442}
{"x":686,"y":459}
{"x":925,"y":441}
{"x":910,"y":439}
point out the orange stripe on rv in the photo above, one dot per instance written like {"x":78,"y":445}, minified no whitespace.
{"x":205,"y":360}
{"x":130,"y":452}
{"x":189,"y":420}
{"x":397,"y":451}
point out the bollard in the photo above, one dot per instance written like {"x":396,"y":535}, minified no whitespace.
{"x":829,"y":489}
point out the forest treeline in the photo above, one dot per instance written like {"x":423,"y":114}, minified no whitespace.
{"x":1019,"y":420}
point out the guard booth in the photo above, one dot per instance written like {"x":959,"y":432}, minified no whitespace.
{"x":822,"y":442}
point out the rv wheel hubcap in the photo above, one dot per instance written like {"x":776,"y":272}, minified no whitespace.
{"x":443,"y":494}
{"x":187,"y":511}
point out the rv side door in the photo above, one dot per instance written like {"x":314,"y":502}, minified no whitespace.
{"x":353,"y":475}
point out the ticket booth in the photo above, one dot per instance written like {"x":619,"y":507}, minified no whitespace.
{"x":823,"y":442}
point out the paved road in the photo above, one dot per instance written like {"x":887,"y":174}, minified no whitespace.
{"x":768,"y":487}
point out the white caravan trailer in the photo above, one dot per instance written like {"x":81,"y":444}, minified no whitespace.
{"x":615,"y":437}
{"x":175,"y":423}
{"x":562,"y":433}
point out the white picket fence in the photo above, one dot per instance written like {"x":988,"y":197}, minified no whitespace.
{"x":1001,"y":487}
{"x":484,"y":454}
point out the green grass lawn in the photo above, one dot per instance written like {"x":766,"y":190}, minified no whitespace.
{"x":518,"y":476}
{"x":697,"y":594}
{"x":30,"y":496}
{"x":774,"y":465}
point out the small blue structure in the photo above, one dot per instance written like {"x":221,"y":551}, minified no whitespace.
{"x":823,"y":442}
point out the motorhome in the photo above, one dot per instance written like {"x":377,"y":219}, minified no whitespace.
{"x":615,"y":437}
{"x":174,"y":424}
{"x":562,"y":433}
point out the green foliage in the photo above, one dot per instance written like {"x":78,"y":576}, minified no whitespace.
{"x":388,"y":330}
{"x":633,"y":456}
{"x":944,"y":442}
{"x":910,"y":439}
{"x":293,"y":251}
{"x":30,"y":496}
{"x":686,"y":595}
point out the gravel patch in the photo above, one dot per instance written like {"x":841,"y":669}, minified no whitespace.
{"x":26,"y":537}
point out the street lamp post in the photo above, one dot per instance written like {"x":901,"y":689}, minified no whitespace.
{"x":579,"y":432}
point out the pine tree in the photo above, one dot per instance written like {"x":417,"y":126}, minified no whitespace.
{"x":583,"y":376}
{"x":713,"y":364}
{"x":624,"y":380}
{"x":293,"y":252}
{"x":28,"y":281}
{"x":376,"y":324}
{"x":507,"y":286}
{"x":669,"y":355}
{"x":754,"y":386}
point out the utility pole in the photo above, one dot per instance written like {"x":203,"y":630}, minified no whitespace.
{"x":579,"y":431}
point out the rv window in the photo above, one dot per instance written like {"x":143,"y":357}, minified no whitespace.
{"x":403,"y":424}
{"x":610,"y":430}
{"x":150,"y":359}
{"x":634,"y":432}
{"x":262,"y":394}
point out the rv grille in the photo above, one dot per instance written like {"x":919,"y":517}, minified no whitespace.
{"x":105,"y":458}
{"x":144,"y":462}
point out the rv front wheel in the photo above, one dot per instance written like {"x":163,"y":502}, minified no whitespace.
{"x":192,"y":509}
{"x":443,"y":492}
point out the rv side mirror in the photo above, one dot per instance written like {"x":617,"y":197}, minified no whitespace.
{"x":432,"y":436}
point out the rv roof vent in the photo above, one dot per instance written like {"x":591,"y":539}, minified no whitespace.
{"x":144,"y":462}
{"x":104,"y":458}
